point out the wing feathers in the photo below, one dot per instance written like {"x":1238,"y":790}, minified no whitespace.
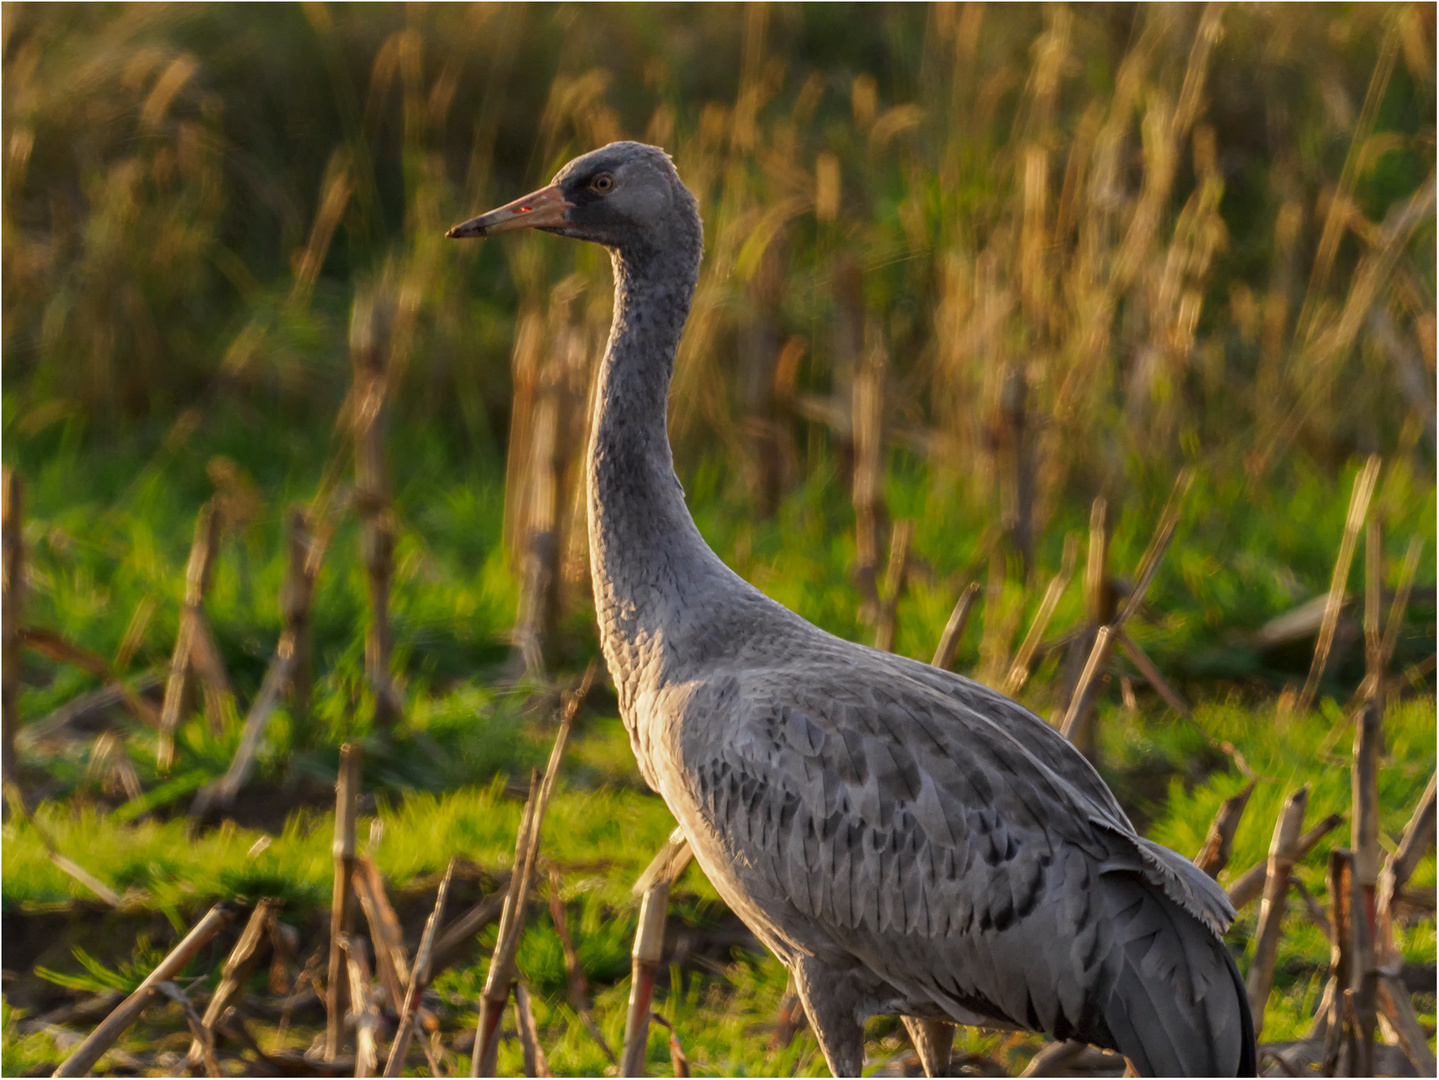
{"x":917,"y":822}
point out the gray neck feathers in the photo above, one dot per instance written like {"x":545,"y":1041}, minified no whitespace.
{"x":646,"y":556}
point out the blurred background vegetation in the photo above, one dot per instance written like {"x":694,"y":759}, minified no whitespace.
{"x":1082,"y":247}
{"x":1036,"y":255}
{"x":1201,"y":235}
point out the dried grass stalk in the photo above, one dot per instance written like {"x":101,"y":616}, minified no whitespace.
{"x":1328,"y":1019}
{"x":497,"y":980}
{"x":679,"y":1062}
{"x":578,"y":985}
{"x":1396,"y":1006}
{"x":1056,"y":1059}
{"x":289,"y":669}
{"x":1401,"y":599}
{"x":583,"y":383}
{"x":1367,"y":735}
{"x":1249,"y":886}
{"x":645,"y":962}
{"x":1077,"y":725}
{"x":1373,"y":585}
{"x":948,"y":647}
{"x":767,"y":371}
{"x":238,"y":966}
{"x":48,"y":643}
{"x":363,"y":1008}
{"x":1391,"y":997}
{"x":1152,"y":675}
{"x":1321,"y":351}
{"x":202,"y":1037}
{"x":1158,"y":543}
{"x":85,"y":708}
{"x":1334,"y":220}
{"x":1019,"y":671}
{"x":197,"y":583}
{"x":1312,"y":908}
{"x":342,"y":908}
{"x":1364,"y":826}
{"x":501,"y":973}
{"x":419,"y":979}
{"x":466,"y":926}
{"x":667,"y":865}
{"x":1282,"y":850}
{"x":282,"y":1062}
{"x":1126,"y":693}
{"x":1356,"y":1053}
{"x":535,"y":1062}
{"x":83,"y":1058}
{"x":16,"y":802}
{"x":339,"y":185}
{"x":12,"y":607}
{"x":1375,"y":666}
{"x":284,"y":959}
{"x":1362,"y":995}
{"x":1214,"y":855}
{"x":1017,"y":463}
{"x":998,"y":630}
{"x":664,"y":870}
{"x":371,"y":324}
{"x":386,"y":934}
{"x":220,"y":708}
{"x":895,"y":579}
{"x":1417,"y":838}
{"x":1098,"y":592}
{"x":868,"y":494}
{"x":221,"y":794}
{"x":112,"y":768}
{"x":526,"y":359}
{"x":1358,"y":508}
{"x":540,"y":559}
{"x":84,"y":877}
{"x":306,"y":544}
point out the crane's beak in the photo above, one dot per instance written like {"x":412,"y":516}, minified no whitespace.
{"x":546,"y":207}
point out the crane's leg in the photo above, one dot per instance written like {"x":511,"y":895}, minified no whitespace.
{"x":934,"y":1039}
{"x":832,"y":1006}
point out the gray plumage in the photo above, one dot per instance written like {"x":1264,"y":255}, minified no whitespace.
{"x":904,"y":839}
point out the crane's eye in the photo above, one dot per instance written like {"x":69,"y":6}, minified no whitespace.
{"x":602,"y":183}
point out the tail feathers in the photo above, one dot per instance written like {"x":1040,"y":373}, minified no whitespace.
{"x":1176,"y":1005}
{"x":1189,"y":886}
{"x":1249,"y":1048}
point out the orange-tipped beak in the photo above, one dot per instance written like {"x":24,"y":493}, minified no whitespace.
{"x":546,"y":207}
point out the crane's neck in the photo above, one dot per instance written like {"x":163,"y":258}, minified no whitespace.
{"x":647,"y":559}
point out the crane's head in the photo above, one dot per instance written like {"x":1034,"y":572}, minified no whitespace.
{"x":619,"y":195}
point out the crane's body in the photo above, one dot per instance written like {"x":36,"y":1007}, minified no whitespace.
{"x":905,"y":840}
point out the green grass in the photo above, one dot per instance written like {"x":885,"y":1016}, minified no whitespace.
{"x":103,"y":545}
{"x":19,"y":1053}
{"x":611,"y":832}
{"x":602,"y":836}
{"x":101,"y":542}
